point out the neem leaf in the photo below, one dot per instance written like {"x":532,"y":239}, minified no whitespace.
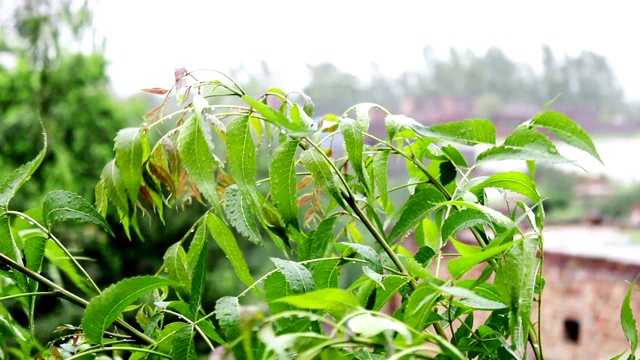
{"x":367,"y":253}
{"x":335,"y":301}
{"x":316,"y":246}
{"x":227,"y":310}
{"x":419,"y":205}
{"x":628,"y":321}
{"x":524,"y":144}
{"x":283,"y":182}
{"x":129,"y":147}
{"x":197,"y":157}
{"x":463,"y":219}
{"x":297,"y":276}
{"x":566,"y":130}
{"x":13,"y":182}
{"x":242,"y":156}
{"x":392,"y":283}
{"x":297,"y":129}
{"x":514,"y":181}
{"x":326,"y":273}
{"x":239,"y":213}
{"x":183,"y":344}
{"x":61,"y":205}
{"x":354,"y":145}
{"x":467,"y":132}
{"x":105,"y":308}
{"x":227,"y":242}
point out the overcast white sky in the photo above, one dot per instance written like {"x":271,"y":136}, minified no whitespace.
{"x":146,"y":39}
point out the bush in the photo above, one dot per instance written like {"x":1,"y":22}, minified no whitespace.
{"x":322,"y":198}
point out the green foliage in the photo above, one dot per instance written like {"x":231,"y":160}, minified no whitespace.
{"x":330,"y":215}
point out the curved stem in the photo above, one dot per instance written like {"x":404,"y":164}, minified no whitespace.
{"x":64,"y":249}
{"x":71,"y":297}
{"x":118,"y":348}
{"x":37,"y":293}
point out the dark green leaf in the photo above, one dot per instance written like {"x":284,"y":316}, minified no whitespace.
{"x":183,"y":344}
{"x":13,"y":182}
{"x":458,"y":267}
{"x":197,"y":157}
{"x":242,"y":156}
{"x":176,"y":265}
{"x":227,"y":312}
{"x":283,"y":182}
{"x":323,"y":174}
{"x":463,"y":219}
{"x":115,"y":191}
{"x":392,"y":283}
{"x":129,"y":147}
{"x":419,"y":205}
{"x":566,"y":130}
{"x":297,"y":276}
{"x":198,"y":242}
{"x":420,"y":305}
{"x":467,"y":132}
{"x":198,"y":280}
{"x":239,"y":213}
{"x":337,"y":302}
{"x":227,"y":242}
{"x":424,"y":254}
{"x":105,"y":308}
{"x":381,"y":174}
{"x":9,"y":248}
{"x":276,"y":286}
{"x":354,"y":145}
{"x":454,"y":156}
{"x":367,"y":253}
{"x":63,"y":205}
{"x":514,"y":181}
{"x":316,"y":246}
{"x":326,"y":274}
{"x":524,"y":144}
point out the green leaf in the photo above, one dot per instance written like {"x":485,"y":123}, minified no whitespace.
{"x":524,"y":144}
{"x":420,"y":305}
{"x":518,"y":274}
{"x":116,"y":193}
{"x":323,"y":174}
{"x":428,"y":234}
{"x":369,"y":325}
{"x":463,"y":219}
{"x":276,"y":286}
{"x":494,"y":215}
{"x":628,"y":321}
{"x":227,"y":242}
{"x":514,"y":181}
{"x":129,"y":147}
{"x":467,"y":132}
{"x":367,"y":253}
{"x":105,"y":308}
{"x":326,"y":274}
{"x":283,"y":182}
{"x":292,"y":128}
{"x":13,"y":182}
{"x":227,"y":310}
{"x":197,"y":157}
{"x":176,"y":265}
{"x":459,"y":266}
{"x":337,"y":302}
{"x":392,"y":283}
{"x":199,"y":278}
{"x":9,"y":248}
{"x":183,"y":344}
{"x":381,"y":174}
{"x":471,"y":299}
{"x":396,"y":123}
{"x":63,"y":205}
{"x":354,"y":145}
{"x":242,"y":156}
{"x":454,"y":156}
{"x":198,"y":242}
{"x":419,"y":206}
{"x":566,"y":130}
{"x":239,"y":213}
{"x":316,"y":246}
{"x":34,"y":252}
{"x":297,"y":276}
{"x":376,"y":277}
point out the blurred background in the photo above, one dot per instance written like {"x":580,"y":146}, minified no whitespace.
{"x":78,"y":66}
